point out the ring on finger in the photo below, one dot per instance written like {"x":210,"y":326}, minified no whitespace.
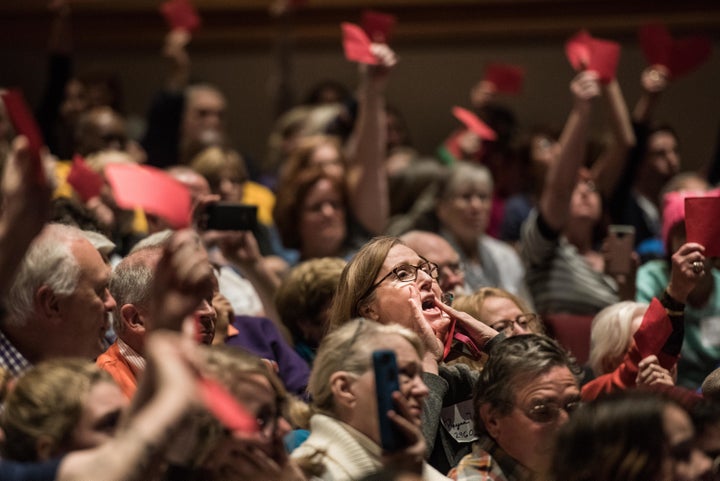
{"x":697,"y":267}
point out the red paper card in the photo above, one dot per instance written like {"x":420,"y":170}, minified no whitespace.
{"x":680,"y":56}
{"x":587,"y":53}
{"x":180,"y":14}
{"x":152,"y":189}
{"x":378,"y":26}
{"x":24,"y":124}
{"x":473,"y":123}
{"x":701,"y":223}
{"x":233,"y":415}
{"x":86,"y":182}
{"x":357,"y":44}
{"x":506,"y":78}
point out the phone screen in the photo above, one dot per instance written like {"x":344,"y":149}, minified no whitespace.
{"x":386,"y":383}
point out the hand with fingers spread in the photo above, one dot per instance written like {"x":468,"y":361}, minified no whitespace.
{"x":651,"y":373}
{"x":688,"y":266}
{"x":183,"y":279}
{"x":478,"y":331}
{"x":433,"y":345}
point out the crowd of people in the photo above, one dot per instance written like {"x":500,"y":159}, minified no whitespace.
{"x":133,"y":351}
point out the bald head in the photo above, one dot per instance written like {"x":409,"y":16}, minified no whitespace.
{"x":435,"y":248}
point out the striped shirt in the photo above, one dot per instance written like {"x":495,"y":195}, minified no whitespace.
{"x":559,"y":278}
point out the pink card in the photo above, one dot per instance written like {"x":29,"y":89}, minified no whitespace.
{"x":507,"y":78}
{"x":86,"y":182}
{"x":180,"y":14}
{"x":701,"y":223}
{"x":378,"y":26}
{"x":233,"y":415}
{"x":473,"y":123}
{"x":587,"y":53}
{"x":357,"y":44}
{"x":680,"y":56}
{"x":24,"y":124}
{"x":151,"y":189}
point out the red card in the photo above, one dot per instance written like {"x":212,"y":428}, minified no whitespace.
{"x":233,"y":415}
{"x":701,"y":223}
{"x":357,"y":44}
{"x":180,"y":14}
{"x":506,"y":78}
{"x":680,"y":56}
{"x":86,"y":182}
{"x":152,"y":189}
{"x":24,"y":124}
{"x":379,"y":26}
{"x":473,"y":123}
{"x":601,"y":56}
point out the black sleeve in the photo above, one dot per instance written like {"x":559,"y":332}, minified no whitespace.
{"x":162,"y":137}
{"x":48,"y":111}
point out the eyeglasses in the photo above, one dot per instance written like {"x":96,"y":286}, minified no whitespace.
{"x":406,"y":273}
{"x":506,"y":325}
{"x":549,"y":412}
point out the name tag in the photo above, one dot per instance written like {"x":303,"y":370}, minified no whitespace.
{"x":458,"y":420}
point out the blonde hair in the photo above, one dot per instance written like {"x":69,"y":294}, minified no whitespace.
{"x":611,"y":334}
{"x":47,"y":402}
{"x":349,"y":348}
{"x":473,"y":303}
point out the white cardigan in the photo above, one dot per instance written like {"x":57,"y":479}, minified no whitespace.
{"x":347,"y":454}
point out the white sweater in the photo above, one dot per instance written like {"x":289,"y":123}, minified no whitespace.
{"x":347,"y":454}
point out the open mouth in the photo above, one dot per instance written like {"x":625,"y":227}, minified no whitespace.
{"x":429,"y":306}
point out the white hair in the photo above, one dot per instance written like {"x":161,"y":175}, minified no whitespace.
{"x":48,"y":262}
{"x":611,"y":334}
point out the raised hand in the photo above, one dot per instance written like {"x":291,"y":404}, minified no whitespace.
{"x":651,"y":373}
{"x":688,"y":266}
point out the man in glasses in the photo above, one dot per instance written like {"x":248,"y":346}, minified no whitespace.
{"x":435,"y":248}
{"x":526,"y":391}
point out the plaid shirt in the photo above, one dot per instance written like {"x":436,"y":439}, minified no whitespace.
{"x":11,"y":359}
{"x":488,"y":462}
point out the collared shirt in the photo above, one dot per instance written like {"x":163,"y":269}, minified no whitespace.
{"x":11,"y":359}
{"x":488,"y":462}
{"x":136,"y":361}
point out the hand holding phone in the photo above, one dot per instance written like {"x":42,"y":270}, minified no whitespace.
{"x":386,"y":383}
{"x":619,"y":247}
{"x":230,"y":216}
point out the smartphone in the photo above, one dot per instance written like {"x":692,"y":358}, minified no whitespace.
{"x":230,"y":216}
{"x":620,"y":245}
{"x":386,"y":383}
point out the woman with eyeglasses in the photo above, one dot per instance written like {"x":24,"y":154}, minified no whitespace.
{"x":501,"y":310}
{"x":390,"y":283}
{"x":630,"y":436}
{"x":345,"y":441}
{"x":526,"y":391}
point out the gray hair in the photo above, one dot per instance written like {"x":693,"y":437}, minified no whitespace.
{"x":462,"y":174}
{"x":131,"y":281}
{"x":158,"y":239}
{"x":348,"y":348}
{"x":48,"y":262}
{"x":611,"y":334}
{"x":513,"y":363}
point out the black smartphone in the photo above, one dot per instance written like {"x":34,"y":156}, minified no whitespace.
{"x":230,"y":216}
{"x":620,"y":245}
{"x":386,"y":383}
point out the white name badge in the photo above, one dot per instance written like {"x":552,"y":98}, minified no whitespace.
{"x":458,"y":420}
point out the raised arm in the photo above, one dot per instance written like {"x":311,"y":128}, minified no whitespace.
{"x":609,"y":166}
{"x":367,"y":179}
{"x":561,"y":177}
{"x":25,"y":209}
{"x":654,"y":80}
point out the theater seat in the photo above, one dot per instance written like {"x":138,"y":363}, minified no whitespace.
{"x":572,"y":332}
